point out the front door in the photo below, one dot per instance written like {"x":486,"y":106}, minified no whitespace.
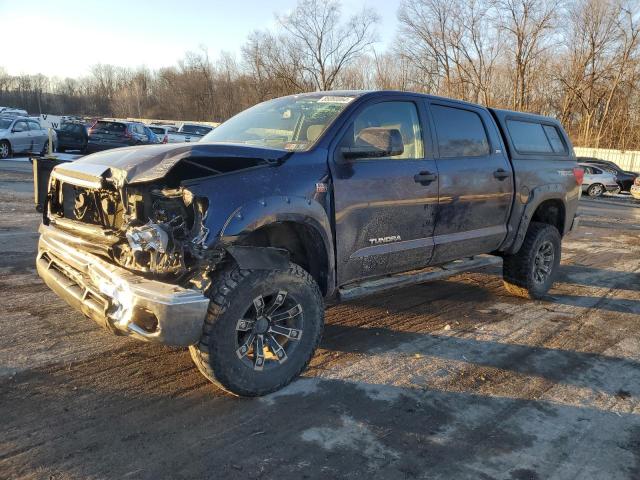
{"x":476,"y":182}
{"x":384,"y":206}
{"x":20,"y":139}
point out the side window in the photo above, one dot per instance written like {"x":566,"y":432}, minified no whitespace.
{"x":596,"y":171}
{"x":555,"y":139}
{"x":529,"y":137}
{"x":401,"y":116}
{"x":34,"y":126}
{"x":20,"y":127}
{"x":587,"y":170}
{"x":460,"y":132}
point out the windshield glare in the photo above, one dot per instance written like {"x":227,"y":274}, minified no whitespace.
{"x":290,"y":123}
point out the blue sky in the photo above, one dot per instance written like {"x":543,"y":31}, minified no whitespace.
{"x":65,"y":37}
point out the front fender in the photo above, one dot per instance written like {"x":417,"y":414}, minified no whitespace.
{"x":274,"y":209}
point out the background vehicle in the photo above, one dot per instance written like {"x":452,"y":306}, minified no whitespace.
{"x":13,"y":112}
{"x":229,"y":245}
{"x":597,"y":181}
{"x":23,"y":135}
{"x":106,"y":134}
{"x":163,"y":132}
{"x":190,"y":132}
{"x":153,"y":138}
{"x":624,"y":178}
{"x":635,"y":189}
{"x":72,"y":136}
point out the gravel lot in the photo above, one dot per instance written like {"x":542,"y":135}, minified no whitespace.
{"x":451,"y":379}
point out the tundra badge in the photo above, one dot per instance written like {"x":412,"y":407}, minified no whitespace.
{"x":381,"y":240}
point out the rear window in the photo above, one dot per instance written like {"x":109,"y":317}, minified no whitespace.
{"x":196,"y":129}
{"x":111,"y":127}
{"x":460,"y":132}
{"x":555,"y":139}
{"x":157,"y":130}
{"x":533,"y":137}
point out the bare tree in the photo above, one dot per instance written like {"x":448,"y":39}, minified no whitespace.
{"x":527,"y":25}
{"x":324,"y":44}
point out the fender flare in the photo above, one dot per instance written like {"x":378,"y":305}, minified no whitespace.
{"x":274,"y":209}
{"x":550,"y":191}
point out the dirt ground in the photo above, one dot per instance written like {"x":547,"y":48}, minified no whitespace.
{"x":451,"y":379}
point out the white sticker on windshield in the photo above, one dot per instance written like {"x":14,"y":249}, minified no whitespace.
{"x":335,"y":99}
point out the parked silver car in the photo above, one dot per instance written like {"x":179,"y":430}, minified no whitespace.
{"x":23,"y":135}
{"x":596,"y":181}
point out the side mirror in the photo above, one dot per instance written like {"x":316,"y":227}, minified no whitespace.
{"x":375,"y":142}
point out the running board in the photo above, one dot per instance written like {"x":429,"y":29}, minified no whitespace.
{"x":377,"y":285}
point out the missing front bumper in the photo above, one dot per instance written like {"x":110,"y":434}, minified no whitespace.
{"x":120,"y":301}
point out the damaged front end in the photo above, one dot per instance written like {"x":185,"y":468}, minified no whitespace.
{"x":128,"y":246}
{"x":149,"y":229}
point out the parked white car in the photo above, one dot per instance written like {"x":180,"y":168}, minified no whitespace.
{"x":164,"y":133}
{"x":187,"y":132}
{"x":23,"y":135}
{"x":596,"y":181}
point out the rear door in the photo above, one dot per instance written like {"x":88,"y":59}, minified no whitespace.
{"x":475,"y":181}
{"x":38,"y":136}
{"x":384,"y":207}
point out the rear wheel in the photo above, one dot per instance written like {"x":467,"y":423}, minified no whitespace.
{"x":595,"y":190}
{"x":530,"y":273}
{"x":261,"y":330}
{"x":5,"y":149}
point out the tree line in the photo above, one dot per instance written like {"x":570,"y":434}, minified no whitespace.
{"x":577,"y":60}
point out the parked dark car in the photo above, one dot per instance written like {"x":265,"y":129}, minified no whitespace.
{"x":625,"y":178}
{"x":106,"y":134}
{"x":232,"y":245}
{"x":72,"y":136}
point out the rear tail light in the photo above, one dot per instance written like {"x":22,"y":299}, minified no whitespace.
{"x":127,"y":134}
{"x":165,"y":139}
{"x":578,"y":174}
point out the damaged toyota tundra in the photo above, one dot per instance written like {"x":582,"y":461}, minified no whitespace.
{"x":233,"y":245}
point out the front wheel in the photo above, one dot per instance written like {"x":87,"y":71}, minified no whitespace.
{"x":530,"y":273}
{"x":5,"y":149}
{"x":261,"y":330}
{"x":595,"y":190}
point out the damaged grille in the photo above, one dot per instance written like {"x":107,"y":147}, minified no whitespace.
{"x":155,"y":230}
{"x":100,"y":207}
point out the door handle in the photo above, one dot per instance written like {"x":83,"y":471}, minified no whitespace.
{"x":501,"y":174}
{"x":424,"y":177}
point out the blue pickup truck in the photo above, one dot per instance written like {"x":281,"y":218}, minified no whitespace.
{"x":233,"y":245}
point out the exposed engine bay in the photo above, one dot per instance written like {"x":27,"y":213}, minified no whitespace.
{"x":149,"y":228}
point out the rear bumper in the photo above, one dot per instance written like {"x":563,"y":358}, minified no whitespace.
{"x":118,"y":300}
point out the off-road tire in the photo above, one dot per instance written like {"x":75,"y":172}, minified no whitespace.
{"x":518,"y":269}
{"x":5,"y":150}
{"x":595,"y":190}
{"x":232,"y":291}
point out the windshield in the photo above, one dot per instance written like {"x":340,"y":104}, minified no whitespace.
{"x":5,"y":123}
{"x":289,"y":123}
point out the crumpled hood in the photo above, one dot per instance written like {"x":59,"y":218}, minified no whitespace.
{"x":146,"y":163}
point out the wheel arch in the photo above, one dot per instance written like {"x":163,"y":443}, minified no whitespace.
{"x":550,"y":207}
{"x":297,"y":225}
